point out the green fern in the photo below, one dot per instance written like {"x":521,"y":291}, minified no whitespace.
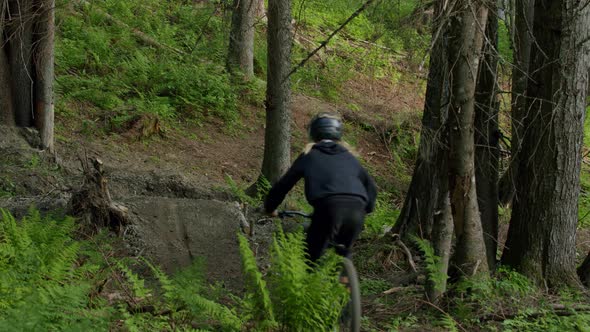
{"x":39,"y":279}
{"x":448,"y":323}
{"x":433,"y":264}
{"x":257,"y":299}
{"x":184,"y":293}
{"x":137,"y":283}
{"x":302,"y":298}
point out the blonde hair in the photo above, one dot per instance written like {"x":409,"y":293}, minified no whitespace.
{"x":345,"y":145}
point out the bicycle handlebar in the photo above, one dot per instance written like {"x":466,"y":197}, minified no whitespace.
{"x":285,"y":214}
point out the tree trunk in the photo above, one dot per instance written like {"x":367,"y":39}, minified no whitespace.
{"x":20,"y":28}
{"x":442,"y":228}
{"x":277,"y":135}
{"x":464,"y":54}
{"x":44,"y":115}
{"x":522,"y":50}
{"x":442,"y":237}
{"x":541,"y":238}
{"x":260,"y":11}
{"x":241,"y":38}
{"x":417,"y":214}
{"x":486,"y":138}
{"x":6,"y":102}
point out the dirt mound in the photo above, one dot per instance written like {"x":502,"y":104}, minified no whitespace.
{"x":173,"y":232}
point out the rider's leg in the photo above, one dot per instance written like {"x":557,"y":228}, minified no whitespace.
{"x":338,"y":219}
{"x":319,"y":232}
{"x":351,"y":225}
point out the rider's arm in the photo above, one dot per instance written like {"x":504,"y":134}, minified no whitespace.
{"x":280,"y":189}
{"x":371,"y":190}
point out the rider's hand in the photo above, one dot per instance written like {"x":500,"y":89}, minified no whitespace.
{"x":274,"y":214}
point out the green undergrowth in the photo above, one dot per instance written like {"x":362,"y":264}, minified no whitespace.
{"x":507,"y":301}
{"x":52,"y":282}
{"x":510,"y":302}
{"x":382,"y":219}
{"x":127,"y":58}
{"x":292,"y":296}
{"x":373,"y":44}
{"x":117,"y":60}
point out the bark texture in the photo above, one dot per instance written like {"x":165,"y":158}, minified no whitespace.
{"x":277,"y":135}
{"x":6,"y":102}
{"x":44,"y":115}
{"x":523,"y":31}
{"x":442,"y":227}
{"x":241,"y":38}
{"x":541,"y":238}
{"x":417,"y":215}
{"x":20,"y":29}
{"x":464,"y":55}
{"x":486,"y":138}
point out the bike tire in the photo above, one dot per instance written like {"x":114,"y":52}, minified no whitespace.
{"x":352,"y":322}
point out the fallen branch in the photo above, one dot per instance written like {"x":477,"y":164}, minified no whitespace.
{"x":397,"y":240}
{"x":392,"y":290}
{"x":325,"y":42}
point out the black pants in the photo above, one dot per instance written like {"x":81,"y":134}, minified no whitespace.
{"x":336,"y":219}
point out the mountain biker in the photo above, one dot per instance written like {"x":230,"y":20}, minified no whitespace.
{"x":336,"y":185}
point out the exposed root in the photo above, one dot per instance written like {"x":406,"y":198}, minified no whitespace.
{"x":92,"y":202}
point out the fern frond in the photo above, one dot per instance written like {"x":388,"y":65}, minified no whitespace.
{"x":448,"y":323}
{"x":433,"y":263}
{"x":262,"y":306}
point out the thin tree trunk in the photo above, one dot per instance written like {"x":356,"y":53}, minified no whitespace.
{"x":522,"y":50}
{"x":486,"y":138}
{"x":20,"y":29}
{"x":442,"y":239}
{"x":417,"y":214}
{"x":467,"y":39}
{"x":442,"y":228}
{"x":541,"y":238}
{"x":44,"y":114}
{"x":277,"y":135}
{"x":6,"y":102}
{"x":241,"y":38}
{"x":259,"y":10}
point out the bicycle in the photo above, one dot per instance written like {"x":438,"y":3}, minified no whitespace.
{"x":350,"y":318}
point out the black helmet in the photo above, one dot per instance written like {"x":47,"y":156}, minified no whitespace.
{"x":325,"y":126}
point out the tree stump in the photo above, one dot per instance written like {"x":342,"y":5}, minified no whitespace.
{"x":93,"y":203}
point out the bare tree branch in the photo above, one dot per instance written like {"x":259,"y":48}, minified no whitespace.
{"x":325,"y":42}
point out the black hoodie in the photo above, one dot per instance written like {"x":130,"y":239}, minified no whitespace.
{"x":329,"y":170}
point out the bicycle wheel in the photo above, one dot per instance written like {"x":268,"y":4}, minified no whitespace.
{"x":350,"y":319}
